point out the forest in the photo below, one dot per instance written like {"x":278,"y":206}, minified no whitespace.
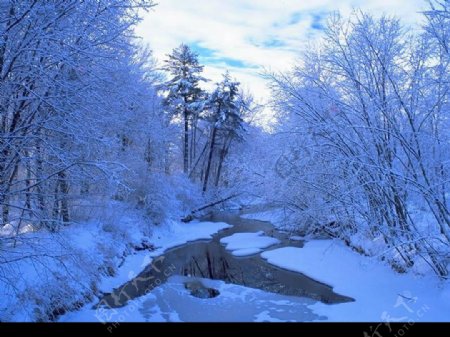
{"x":106,"y":149}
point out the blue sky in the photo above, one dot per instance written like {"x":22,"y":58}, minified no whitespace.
{"x":248,"y":36}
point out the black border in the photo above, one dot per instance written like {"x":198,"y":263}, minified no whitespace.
{"x":370,"y":329}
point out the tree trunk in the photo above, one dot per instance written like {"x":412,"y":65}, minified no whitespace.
{"x":193,"y":143}
{"x":191,"y":215}
{"x":64,"y":189}
{"x":223,"y":153}
{"x":167,"y":158}
{"x":186,"y":143}
{"x":211,"y":150}
{"x":6,"y":190}
{"x":39,"y":187}
{"x":197,"y":161}
{"x":53,"y":223}
{"x":28,"y":184}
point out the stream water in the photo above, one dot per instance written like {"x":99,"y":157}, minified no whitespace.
{"x":210,"y":260}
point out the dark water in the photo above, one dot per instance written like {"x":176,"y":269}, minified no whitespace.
{"x":209,"y":259}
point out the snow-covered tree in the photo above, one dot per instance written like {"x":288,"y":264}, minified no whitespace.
{"x":225,"y":109}
{"x":59,"y":65}
{"x":184,"y":97}
{"x":366,"y":115}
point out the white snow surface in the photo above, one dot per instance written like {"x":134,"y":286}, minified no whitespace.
{"x":380,"y":293}
{"x":242,"y":244}
{"x":31,"y":285}
{"x":164,"y":237}
{"x":277,"y":216}
{"x":172,"y":302}
{"x":53,"y":270}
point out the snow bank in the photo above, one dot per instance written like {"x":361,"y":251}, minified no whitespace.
{"x":164,"y":237}
{"x":47,"y":271}
{"x":276,"y":216}
{"x":177,"y":233}
{"x":242,"y":244}
{"x":171,"y":302}
{"x":380,"y":293}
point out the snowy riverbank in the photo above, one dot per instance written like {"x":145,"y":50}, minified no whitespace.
{"x":380,"y":293}
{"x":51,"y":273}
{"x":95,"y":258}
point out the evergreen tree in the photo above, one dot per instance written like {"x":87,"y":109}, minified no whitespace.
{"x":184,"y":98}
{"x":225,"y":106}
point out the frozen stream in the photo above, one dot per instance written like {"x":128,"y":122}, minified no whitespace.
{"x":203,"y":281}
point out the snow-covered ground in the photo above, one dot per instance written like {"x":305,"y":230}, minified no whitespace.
{"x":243,"y":244}
{"x":380,"y":293}
{"x":165,"y":237}
{"x":82,"y":258}
{"x":47,"y":271}
{"x":172,"y":302}
{"x":277,"y":216}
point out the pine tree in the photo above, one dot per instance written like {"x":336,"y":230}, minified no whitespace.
{"x":184,"y":98}
{"x":225,"y":107}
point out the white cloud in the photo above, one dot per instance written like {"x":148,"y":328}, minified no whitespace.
{"x":242,"y":30}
